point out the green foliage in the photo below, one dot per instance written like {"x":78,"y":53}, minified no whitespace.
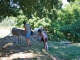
{"x":34,"y":21}
{"x":70,"y":0}
{"x":20,"y":19}
{"x":68,"y":19}
{"x":39,"y":8}
{"x":7,"y":10}
{"x":60,"y":23}
{"x":65,"y":52}
{"x":8,"y":21}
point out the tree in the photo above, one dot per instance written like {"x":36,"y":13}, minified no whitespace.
{"x":29,"y":7}
{"x":69,"y":22}
{"x":8,"y":8}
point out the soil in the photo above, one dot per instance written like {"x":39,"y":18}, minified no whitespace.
{"x":12,"y":48}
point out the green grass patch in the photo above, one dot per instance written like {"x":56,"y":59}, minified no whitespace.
{"x":65,"y":52}
{"x":57,"y":50}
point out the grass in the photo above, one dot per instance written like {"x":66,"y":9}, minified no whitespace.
{"x":65,"y":52}
{"x":59,"y":51}
{"x":56,"y":50}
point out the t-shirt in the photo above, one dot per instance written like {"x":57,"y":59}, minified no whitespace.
{"x":28,"y":28}
{"x":45,"y":36}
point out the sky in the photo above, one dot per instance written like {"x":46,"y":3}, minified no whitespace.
{"x":64,"y":3}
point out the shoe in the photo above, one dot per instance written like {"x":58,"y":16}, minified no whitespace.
{"x":29,"y":45}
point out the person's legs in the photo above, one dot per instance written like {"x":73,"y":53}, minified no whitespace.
{"x":42,"y":40}
{"x":46,"y":44}
{"x":27,"y":38}
{"x":28,"y":42}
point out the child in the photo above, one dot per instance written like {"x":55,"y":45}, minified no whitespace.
{"x":44,"y":38}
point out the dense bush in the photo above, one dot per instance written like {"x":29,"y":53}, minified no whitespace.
{"x":69,"y":19}
{"x":8,"y":21}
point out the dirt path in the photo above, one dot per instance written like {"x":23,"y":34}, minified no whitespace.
{"x":11,"y":51}
{"x":20,"y":52}
{"x":4,"y":32}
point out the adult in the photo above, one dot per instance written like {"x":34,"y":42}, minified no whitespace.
{"x":27,"y":28}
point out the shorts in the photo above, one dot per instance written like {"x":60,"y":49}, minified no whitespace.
{"x":28,"y":34}
{"x":46,"y":39}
